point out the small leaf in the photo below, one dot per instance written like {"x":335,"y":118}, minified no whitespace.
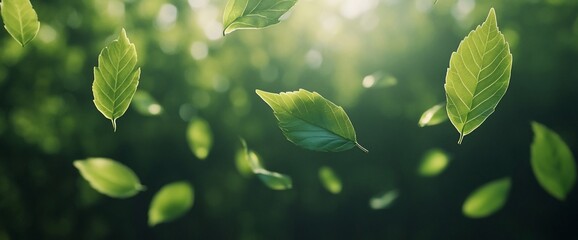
{"x":433,"y":163}
{"x":115,"y":78}
{"x":487,"y":199}
{"x":20,"y":20}
{"x":200,"y":137}
{"x":242,"y":164}
{"x":433,"y":116}
{"x":273,"y":180}
{"x":171,"y":202}
{"x":253,"y":14}
{"x":312,"y":122}
{"x":109,"y":177}
{"x":145,"y":104}
{"x":552,"y":162}
{"x":478,"y":76}
{"x":383,"y":201}
{"x":330,"y":180}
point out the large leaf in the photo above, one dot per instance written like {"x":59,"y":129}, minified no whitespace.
{"x":552,"y":162}
{"x":109,"y":177}
{"x":311,"y":121}
{"x":171,"y":202}
{"x":200,"y":137}
{"x":115,"y":78}
{"x":252,"y":14}
{"x":478,"y":76}
{"x":20,"y":20}
{"x":487,"y":199}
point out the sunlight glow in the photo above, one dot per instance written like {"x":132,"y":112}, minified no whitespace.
{"x":199,"y":50}
{"x":167,"y":15}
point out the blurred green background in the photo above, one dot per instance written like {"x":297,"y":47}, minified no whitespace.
{"x":384,"y":61}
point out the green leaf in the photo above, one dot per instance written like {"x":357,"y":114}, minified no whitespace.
{"x":109,"y":177}
{"x":273,"y":180}
{"x":330,"y":180}
{"x":433,"y":116}
{"x":200,"y":137}
{"x":478,"y":76}
{"x":253,"y":14}
{"x":487,"y":199}
{"x":145,"y":104}
{"x":20,"y":20}
{"x":552,"y":162}
{"x":312,"y":122}
{"x":242,"y":163}
{"x":384,"y":200}
{"x":115,"y":78}
{"x":433,"y":163}
{"x":171,"y":202}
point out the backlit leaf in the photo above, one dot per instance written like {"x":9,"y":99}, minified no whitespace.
{"x":145,"y":104}
{"x":433,"y":163}
{"x":115,"y":78}
{"x":171,"y":202}
{"x":200,"y":137}
{"x":311,"y":121}
{"x":478,"y":76}
{"x":487,"y":199}
{"x":433,"y":116}
{"x":273,"y":180}
{"x":253,"y":14}
{"x":552,"y":162}
{"x":384,"y":200}
{"x":330,"y":180}
{"x":109,"y":177}
{"x":20,"y":20}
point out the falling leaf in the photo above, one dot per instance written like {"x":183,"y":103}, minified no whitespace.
{"x":109,"y":177}
{"x":552,"y":162}
{"x":200,"y":137}
{"x":433,"y":163}
{"x":273,"y":180}
{"x":171,"y":202}
{"x":115,"y":78}
{"x":253,"y":14}
{"x":434,"y":116}
{"x":478,"y":76}
{"x":145,"y":104}
{"x":487,"y":199}
{"x":383,"y":201}
{"x":311,"y":121}
{"x":20,"y":20}
{"x":330,"y":180}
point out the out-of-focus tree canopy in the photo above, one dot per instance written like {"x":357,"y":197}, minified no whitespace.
{"x":384,"y":61}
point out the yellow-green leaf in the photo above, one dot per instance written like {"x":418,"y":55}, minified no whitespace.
{"x":115,"y":78}
{"x":433,"y":116}
{"x":487,"y":199}
{"x":312,"y":122}
{"x":109,"y":177}
{"x":384,"y":200}
{"x":253,"y":14}
{"x":273,"y":180}
{"x":200,"y":137}
{"x":433,"y":162}
{"x":170,"y":202}
{"x":20,"y":20}
{"x":552,"y":162}
{"x":478,"y":76}
{"x":330,"y":180}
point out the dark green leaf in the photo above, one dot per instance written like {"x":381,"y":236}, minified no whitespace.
{"x":252,"y":14}
{"x":311,"y":121}
{"x":552,"y":162}
{"x":115,"y":78}
{"x":478,"y":76}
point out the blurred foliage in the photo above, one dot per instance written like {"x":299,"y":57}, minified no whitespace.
{"x":384,"y":61}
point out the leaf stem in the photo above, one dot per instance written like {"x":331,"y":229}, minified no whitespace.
{"x":461,"y":138}
{"x":361,"y":147}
